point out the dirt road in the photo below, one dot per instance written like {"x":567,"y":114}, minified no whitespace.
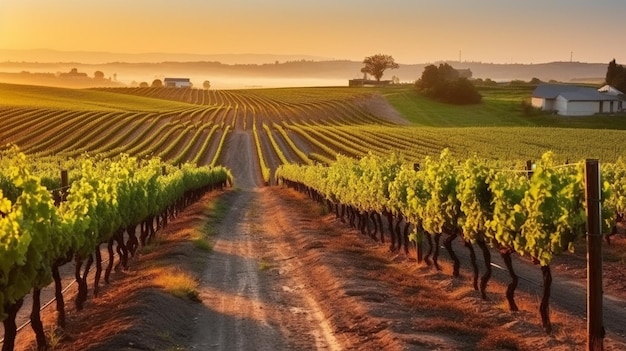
{"x":250,"y":303}
{"x":254,"y":299}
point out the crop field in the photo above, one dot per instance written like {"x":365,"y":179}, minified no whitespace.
{"x":300,"y":125}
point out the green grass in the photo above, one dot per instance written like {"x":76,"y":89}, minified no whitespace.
{"x":495,"y":110}
{"x":14,"y":95}
{"x":501,"y":107}
{"x":215,"y":215}
{"x":202,"y":244}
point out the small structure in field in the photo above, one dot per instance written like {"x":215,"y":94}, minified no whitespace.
{"x":573,"y":100}
{"x":367,"y":82}
{"x":177,"y":83}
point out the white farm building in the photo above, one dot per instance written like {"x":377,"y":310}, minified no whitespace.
{"x":177,"y":83}
{"x":572,"y":100}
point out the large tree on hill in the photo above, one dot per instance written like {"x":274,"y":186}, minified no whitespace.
{"x":377,"y":64}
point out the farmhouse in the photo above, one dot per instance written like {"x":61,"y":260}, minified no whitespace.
{"x":572,"y":100}
{"x":177,"y":83}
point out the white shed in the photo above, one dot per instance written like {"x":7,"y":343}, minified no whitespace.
{"x":572,"y":100}
{"x":177,"y":82}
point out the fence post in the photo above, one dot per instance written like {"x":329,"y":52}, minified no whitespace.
{"x":595,"y":328}
{"x":419,"y":248}
{"x":529,"y":168}
{"x":65,"y":182}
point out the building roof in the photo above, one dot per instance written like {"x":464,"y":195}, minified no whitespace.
{"x":551,"y":91}
{"x":176,"y":79}
{"x":571,"y":93}
{"x":587,"y":96}
{"x":607,"y":89}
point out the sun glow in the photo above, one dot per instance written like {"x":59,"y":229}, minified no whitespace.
{"x":413,"y":32}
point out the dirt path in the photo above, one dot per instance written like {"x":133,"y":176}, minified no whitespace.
{"x":240,"y":158}
{"x":247,"y":305}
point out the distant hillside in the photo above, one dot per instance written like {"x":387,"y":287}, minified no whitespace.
{"x":306,"y":72}
{"x":92,"y":57}
{"x":560,"y":71}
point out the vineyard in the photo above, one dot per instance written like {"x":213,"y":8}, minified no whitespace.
{"x":538,"y":213}
{"x":107,"y":200}
{"x":136,"y":156}
{"x":286,"y":125}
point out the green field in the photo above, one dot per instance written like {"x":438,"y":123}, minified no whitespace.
{"x":501,"y":107}
{"x":196,"y":125}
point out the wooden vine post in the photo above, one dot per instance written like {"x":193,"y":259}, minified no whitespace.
{"x":595,"y":328}
{"x":419,"y":247}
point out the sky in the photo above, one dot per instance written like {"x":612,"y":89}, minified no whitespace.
{"x":412,"y":31}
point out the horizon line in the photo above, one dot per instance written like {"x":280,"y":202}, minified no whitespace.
{"x":320,"y":58}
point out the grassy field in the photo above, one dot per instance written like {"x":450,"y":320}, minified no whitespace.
{"x":501,"y":107}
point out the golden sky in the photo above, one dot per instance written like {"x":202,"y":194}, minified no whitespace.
{"x":413,"y":31}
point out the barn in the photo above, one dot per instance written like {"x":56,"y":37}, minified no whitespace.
{"x":572,"y":100}
{"x":177,"y":82}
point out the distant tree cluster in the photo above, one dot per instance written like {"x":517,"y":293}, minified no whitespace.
{"x":487,"y":82}
{"x":73,"y":74}
{"x":616,"y":76}
{"x":444,"y":83}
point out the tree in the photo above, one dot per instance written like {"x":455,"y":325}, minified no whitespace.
{"x":157,"y":83}
{"x":434,"y":76}
{"x":143,"y":85}
{"x":616,"y":76}
{"x":430,"y":77}
{"x":462,"y":92}
{"x":377,"y":64}
{"x":206,"y":85}
{"x":447,"y":73}
{"x":98,"y":75}
{"x":443,"y":83}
